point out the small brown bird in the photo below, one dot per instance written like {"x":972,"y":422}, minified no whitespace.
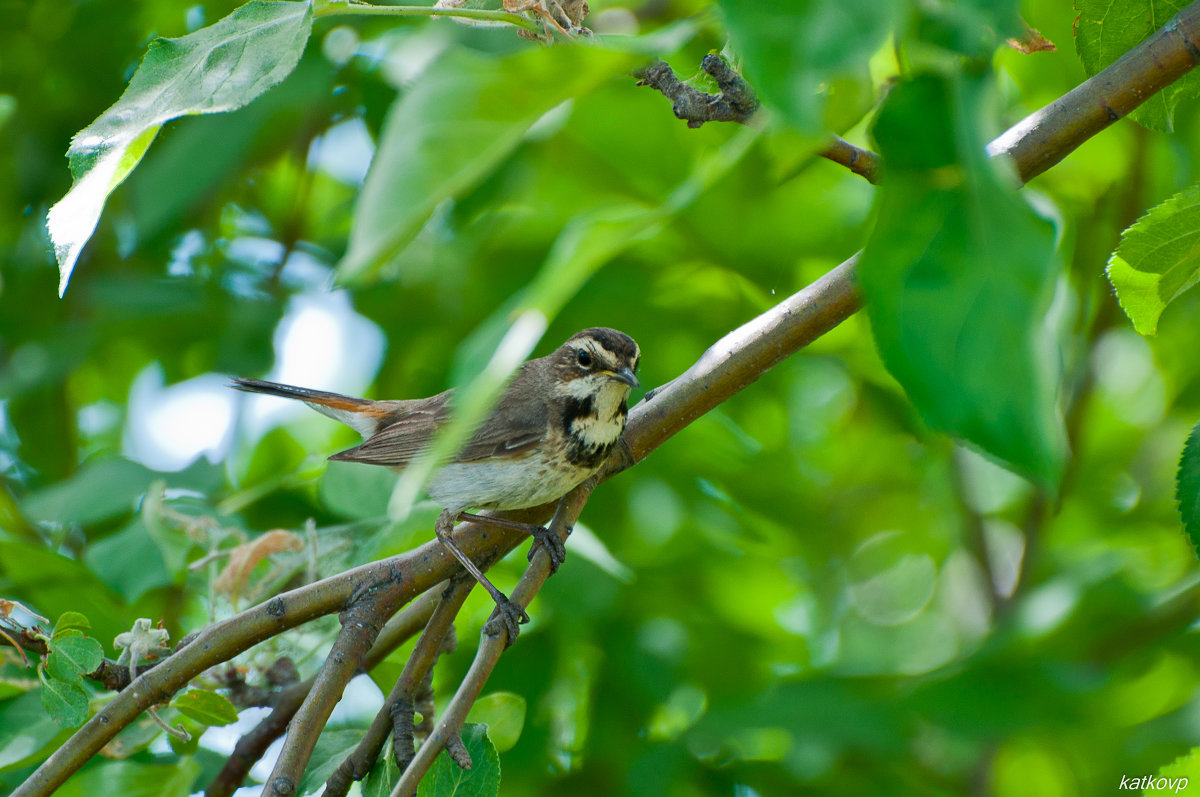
{"x":553,"y":428}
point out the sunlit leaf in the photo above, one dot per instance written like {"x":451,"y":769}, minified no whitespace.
{"x":1158,"y":259}
{"x":1181,"y":772}
{"x":215,"y":69}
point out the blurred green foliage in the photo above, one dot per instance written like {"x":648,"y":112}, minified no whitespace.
{"x":808,"y":588}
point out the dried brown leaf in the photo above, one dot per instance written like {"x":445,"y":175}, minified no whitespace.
{"x":243,"y":559}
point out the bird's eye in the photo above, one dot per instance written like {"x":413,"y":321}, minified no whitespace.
{"x":585,"y":358}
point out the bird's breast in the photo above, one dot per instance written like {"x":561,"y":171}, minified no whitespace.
{"x":534,"y":478}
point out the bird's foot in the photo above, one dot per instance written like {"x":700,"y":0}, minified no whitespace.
{"x":506,"y":619}
{"x":551,"y":543}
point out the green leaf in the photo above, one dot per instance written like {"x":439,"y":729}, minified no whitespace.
{"x":206,"y":706}
{"x":215,"y":69}
{"x":354,"y":490}
{"x":1179,"y":773}
{"x":503,"y":714}
{"x":26,"y":730}
{"x":69,"y":620}
{"x":1106,"y":30}
{"x":382,"y":778}
{"x":65,"y":702}
{"x":792,"y":51}
{"x":101,"y":489}
{"x":456,"y":126}
{"x":172,"y":541}
{"x":332,"y":748}
{"x":82,"y":652}
{"x":128,"y":561}
{"x":61,"y":669}
{"x":446,"y":779}
{"x":55,"y":583}
{"x":959,"y":274}
{"x":1187,"y":487}
{"x":974,"y":28}
{"x":1158,"y":259}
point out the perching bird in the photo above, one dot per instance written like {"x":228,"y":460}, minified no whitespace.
{"x":553,"y":428}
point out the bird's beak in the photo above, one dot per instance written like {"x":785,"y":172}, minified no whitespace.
{"x":625,"y":375}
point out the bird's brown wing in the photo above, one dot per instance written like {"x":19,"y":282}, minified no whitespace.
{"x":518,"y":423}
{"x":404,"y":435}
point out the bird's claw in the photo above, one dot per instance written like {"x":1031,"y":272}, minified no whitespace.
{"x":551,"y":543}
{"x":508,"y":618}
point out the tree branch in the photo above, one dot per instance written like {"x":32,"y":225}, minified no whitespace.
{"x":737,"y":102}
{"x":361,"y":624}
{"x":493,"y":642}
{"x":1045,"y":137}
{"x":253,"y":745}
{"x":429,"y":646}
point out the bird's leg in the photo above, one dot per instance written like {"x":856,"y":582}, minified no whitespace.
{"x":550,"y":542}
{"x":512,"y":614}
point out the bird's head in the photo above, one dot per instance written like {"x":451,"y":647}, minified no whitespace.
{"x":597,"y":361}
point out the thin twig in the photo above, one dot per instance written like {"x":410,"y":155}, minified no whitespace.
{"x":737,"y":102}
{"x":863,"y":162}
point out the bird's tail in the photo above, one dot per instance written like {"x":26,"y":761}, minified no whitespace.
{"x":354,"y":412}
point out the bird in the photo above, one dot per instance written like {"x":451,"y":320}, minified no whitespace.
{"x":553,"y":427}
